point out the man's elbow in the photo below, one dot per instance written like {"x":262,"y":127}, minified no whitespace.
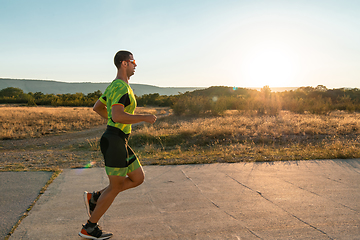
{"x":96,"y":110}
{"x":117,"y":119}
{"x":98,"y":107}
{"x":120,"y":118}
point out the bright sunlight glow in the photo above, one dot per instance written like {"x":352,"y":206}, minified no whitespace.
{"x":274,"y":66}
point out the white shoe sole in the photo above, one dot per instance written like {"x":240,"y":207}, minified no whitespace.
{"x":87,"y":204}
{"x":91,"y":237}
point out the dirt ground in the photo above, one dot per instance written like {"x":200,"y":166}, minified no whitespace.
{"x":68,"y":150}
{"x":81,"y":149}
{"x":55,"y":151}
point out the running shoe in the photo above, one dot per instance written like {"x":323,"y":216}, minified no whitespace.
{"x":89,"y":202}
{"x":94,"y":233}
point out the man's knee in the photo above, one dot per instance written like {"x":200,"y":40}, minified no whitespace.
{"x":140,"y":180}
{"x":137,"y":177}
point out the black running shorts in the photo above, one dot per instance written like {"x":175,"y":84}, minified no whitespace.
{"x":120,"y":159}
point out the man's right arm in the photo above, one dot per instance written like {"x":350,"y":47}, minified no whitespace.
{"x":120,"y":116}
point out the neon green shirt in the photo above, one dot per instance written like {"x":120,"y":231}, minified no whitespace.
{"x":119,"y":93}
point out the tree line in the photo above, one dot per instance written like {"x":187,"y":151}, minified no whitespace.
{"x":318,"y":100}
{"x":17,"y":95}
{"x":213,"y":100}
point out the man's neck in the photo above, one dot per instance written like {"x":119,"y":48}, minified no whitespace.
{"x":122,"y":76}
{"x":125,"y":80}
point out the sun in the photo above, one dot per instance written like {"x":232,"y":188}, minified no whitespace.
{"x":269,"y":65}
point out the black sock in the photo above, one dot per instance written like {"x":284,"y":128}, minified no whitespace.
{"x":96,"y":196}
{"x":90,"y":224}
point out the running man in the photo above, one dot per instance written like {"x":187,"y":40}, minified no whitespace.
{"x":122,"y":166}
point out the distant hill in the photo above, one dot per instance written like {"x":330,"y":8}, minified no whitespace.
{"x":56,"y":87}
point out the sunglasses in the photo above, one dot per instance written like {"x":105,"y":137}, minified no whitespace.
{"x":131,"y":60}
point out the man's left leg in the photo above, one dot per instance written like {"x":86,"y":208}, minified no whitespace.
{"x":117,"y":185}
{"x":136,"y":177}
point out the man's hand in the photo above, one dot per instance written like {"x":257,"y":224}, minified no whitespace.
{"x":150,"y":118}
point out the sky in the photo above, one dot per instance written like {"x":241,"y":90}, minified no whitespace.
{"x":252,"y":43}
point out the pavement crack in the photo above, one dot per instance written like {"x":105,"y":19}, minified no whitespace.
{"x":162,"y":214}
{"x":159,"y":175}
{"x":217,"y":206}
{"x":296,"y":217}
{"x":267,"y":199}
{"x":345,"y":206}
{"x":200,"y":190}
{"x":153,"y":204}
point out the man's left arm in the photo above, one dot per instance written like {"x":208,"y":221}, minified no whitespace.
{"x":100,"y":108}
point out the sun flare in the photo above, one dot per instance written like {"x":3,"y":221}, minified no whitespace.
{"x":272,"y":66}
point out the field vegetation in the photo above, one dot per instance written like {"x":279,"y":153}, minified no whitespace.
{"x":214,"y":100}
{"x":19,"y":122}
{"x":17,"y":95}
{"x":236,"y":136}
{"x":218,"y":124}
{"x":244,"y":136}
{"x":72,"y":141}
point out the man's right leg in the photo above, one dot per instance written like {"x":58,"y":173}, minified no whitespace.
{"x":91,"y":230}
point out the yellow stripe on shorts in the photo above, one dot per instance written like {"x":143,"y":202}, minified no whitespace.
{"x":122,"y":172}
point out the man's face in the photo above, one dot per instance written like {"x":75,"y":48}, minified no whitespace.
{"x":131,"y":65}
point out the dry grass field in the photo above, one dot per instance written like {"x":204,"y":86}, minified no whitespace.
{"x":51,"y":138}
{"x":26,"y":122}
{"x":19,"y":122}
{"x":240,"y":136}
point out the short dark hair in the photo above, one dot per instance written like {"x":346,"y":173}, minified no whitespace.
{"x":121,"y":56}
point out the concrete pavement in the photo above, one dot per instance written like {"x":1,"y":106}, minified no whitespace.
{"x":270,"y":200}
{"x":18,"y":190}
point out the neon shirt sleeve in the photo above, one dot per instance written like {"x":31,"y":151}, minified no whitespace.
{"x":103,"y":99}
{"x":120,"y":96}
